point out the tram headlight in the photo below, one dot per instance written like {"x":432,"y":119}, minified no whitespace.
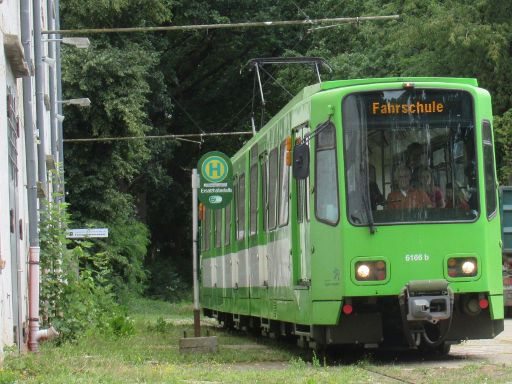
{"x":468,"y":267}
{"x":363,"y":271}
{"x":462,"y":266}
{"x":370,"y":270}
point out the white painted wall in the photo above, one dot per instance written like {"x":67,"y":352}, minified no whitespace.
{"x":10,"y":24}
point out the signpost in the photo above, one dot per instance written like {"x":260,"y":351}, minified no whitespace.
{"x":216,"y":180}
{"x":214,"y":188}
{"x":82,"y":233}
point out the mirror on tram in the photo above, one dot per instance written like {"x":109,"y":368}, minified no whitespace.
{"x":301,"y":161}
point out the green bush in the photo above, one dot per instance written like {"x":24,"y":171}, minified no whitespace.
{"x":8,"y":377}
{"x":161,"y":326}
{"x":122,"y":326}
{"x":77,"y":293}
{"x":503,"y":141}
{"x":167,"y":284}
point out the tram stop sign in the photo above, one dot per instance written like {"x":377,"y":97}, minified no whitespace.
{"x":216,"y":180}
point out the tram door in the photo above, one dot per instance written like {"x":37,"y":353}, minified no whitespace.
{"x":300,"y":232}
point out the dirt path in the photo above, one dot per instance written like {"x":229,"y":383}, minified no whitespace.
{"x":496,"y":351}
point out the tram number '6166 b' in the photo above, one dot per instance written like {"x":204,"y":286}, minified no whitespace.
{"x":417,"y":257}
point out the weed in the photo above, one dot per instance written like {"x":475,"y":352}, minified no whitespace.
{"x":315,"y":361}
{"x":122,"y":326}
{"x":298,"y":363}
{"x":8,"y":376}
{"x":161,"y":326}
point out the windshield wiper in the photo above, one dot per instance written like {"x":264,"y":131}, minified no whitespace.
{"x":368,"y":210}
{"x":366,"y":199}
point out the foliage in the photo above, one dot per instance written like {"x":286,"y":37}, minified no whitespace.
{"x":122,"y":326}
{"x":76,"y":293}
{"x":9,"y":377}
{"x":503,"y":141}
{"x":121,"y":255}
{"x":170,"y":286}
{"x":160,"y":326}
{"x":107,"y":182}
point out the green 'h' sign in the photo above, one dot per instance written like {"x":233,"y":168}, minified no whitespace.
{"x":216,"y":180}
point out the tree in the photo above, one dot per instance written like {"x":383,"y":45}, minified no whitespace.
{"x":118,"y":73}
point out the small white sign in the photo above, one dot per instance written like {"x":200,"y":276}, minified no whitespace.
{"x":82,"y":233}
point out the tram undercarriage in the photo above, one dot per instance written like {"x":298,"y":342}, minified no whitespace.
{"x":429,"y":320}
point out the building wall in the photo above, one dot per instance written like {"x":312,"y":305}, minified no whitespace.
{"x":10,"y":24}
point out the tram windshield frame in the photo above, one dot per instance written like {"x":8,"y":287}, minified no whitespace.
{"x":410,"y":156}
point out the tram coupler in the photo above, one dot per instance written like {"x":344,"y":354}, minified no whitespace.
{"x":425,"y":301}
{"x":429,"y":300}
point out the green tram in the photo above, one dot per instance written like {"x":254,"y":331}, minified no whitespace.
{"x":364,"y":212}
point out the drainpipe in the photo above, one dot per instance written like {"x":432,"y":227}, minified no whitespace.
{"x":39,"y":72}
{"x":51,"y":81}
{"x":31,"y":166}
{"x":35,"y":334}
{"x":60,"y":131}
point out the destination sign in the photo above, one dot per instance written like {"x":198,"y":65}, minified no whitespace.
{"x":379,"y":108}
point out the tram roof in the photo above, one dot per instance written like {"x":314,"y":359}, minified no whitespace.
{"x":382,"y":80}
{"x":308,"y":91}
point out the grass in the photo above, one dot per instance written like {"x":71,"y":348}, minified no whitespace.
{"x":151,"y":355}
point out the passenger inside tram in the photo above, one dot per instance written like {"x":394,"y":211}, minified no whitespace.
{"x":406,"y":196}
{"x":426,"y":183}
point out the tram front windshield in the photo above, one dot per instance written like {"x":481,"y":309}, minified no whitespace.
{"x":410,"y":156}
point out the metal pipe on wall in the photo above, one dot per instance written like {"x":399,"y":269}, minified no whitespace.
{"x":39,"y":77}
{"x":30,"y":158}
{"x":60,"y":130}
{"x":51,"y":83}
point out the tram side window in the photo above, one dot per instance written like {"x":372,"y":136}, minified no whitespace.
{"x":227,"y":234}
{"x":207,"y":228}
{"x":307,"y":199}
{"x":326,"y":190}
{"x":300,"y":200}
{"x":253,"y":200}
{"x":218,"y":227}
{"x":240,"y":209}
{"x":283,"y":186}
{"x":203,"y":231}
{"x":303,"y":200}
{"x":272,"y":189}
{"x":235,"y":205}
{"x":490,"y":181}
{"x":264,"y":184}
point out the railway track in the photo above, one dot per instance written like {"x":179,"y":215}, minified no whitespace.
{"x":394,"y":379}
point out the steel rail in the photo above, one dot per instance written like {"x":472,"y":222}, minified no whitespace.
{"x":397,"y":379}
